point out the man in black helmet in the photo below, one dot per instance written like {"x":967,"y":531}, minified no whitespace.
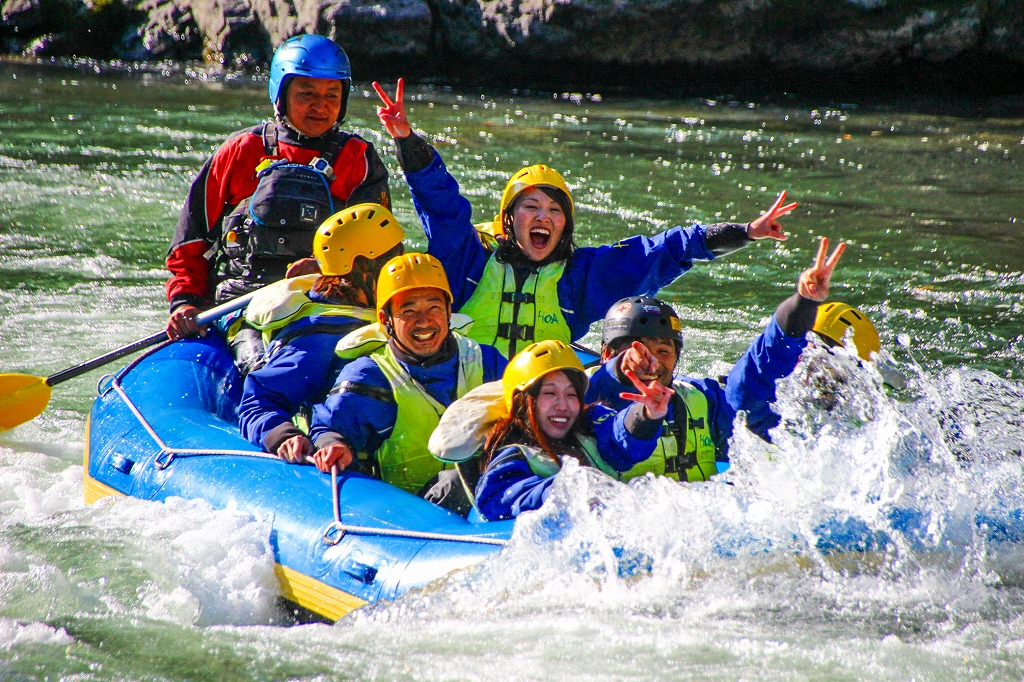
{"x":644,"y":335}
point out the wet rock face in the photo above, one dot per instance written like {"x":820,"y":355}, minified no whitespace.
{"x":511,"y":39}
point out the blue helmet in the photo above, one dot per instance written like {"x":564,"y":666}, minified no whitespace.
{"x":312,"y":56}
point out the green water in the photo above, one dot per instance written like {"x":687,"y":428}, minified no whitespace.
{"x":94,"y":165}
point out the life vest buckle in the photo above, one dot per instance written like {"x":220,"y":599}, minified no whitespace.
{"x":517,"y":332}
{"x":517,"y":297}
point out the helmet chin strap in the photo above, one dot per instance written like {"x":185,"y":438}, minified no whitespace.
{"x":390,"y":329}
{"x":284,"y":120}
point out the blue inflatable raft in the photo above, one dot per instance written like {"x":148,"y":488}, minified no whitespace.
{"x":166,"y":426}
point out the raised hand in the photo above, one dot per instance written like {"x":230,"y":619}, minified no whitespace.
{"x":767,"y":225}
{"x":653,"y":396}
{"x":392,"y":114}
{"x":640,"y":360}
{"x":813,"y":282}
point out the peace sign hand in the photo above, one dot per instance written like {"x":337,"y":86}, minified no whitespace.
{"x":813,"y":282}
{"x":653,"y":396}
{"x":767,"y":225}
{"x":392,"y":114}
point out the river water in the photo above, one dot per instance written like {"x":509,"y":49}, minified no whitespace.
{"x":930,"y":198}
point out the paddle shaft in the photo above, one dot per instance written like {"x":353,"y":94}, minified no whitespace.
{"x":201,"y":319}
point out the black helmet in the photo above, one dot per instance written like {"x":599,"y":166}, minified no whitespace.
{"x":642,"y":316}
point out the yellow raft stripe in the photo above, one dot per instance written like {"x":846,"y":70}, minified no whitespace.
{"x":91,"y":488}
{"x":314,"y":595}
{"x":307,"y":592}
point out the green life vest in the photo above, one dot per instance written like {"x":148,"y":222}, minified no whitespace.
{"x":403,"y":458}
{"x":698,"y":463}
{"x":279,"y":304}
{"x":510,"y":318}
{"x":543,"y":465}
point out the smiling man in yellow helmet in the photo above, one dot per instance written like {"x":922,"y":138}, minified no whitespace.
{"x":302,"y":320}
{"x":384,"y":406}
{"x":536,"y":284}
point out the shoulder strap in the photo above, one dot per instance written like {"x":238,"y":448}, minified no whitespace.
{"x":270,"y":138}
{"x":333,"y":148}
{"x":681,"y":412}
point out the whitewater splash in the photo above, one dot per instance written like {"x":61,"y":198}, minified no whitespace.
{"x":866,"y":494}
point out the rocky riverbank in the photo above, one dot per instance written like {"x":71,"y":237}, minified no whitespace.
{"x":899,"y":45}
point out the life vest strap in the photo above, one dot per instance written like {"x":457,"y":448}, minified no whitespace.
{"x":517,"y":297}
{"x":517,"y":332}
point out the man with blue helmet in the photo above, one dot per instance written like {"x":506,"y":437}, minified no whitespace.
{"x":257,"y":202}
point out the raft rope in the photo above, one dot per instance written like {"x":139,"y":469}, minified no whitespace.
{"x":167,"y":455}
{"x":343,"y":528}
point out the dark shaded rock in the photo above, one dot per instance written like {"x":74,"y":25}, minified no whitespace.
{"x":22,"y":15}
{"x":170,"y":33}
{"x":568,"y":43}
{"x":69,"y":28}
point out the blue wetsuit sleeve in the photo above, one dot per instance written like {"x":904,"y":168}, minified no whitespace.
{"x":494,"y":363}
{"x":447,"y":219}
{"x":599,"y":276}
{"x":509,"y":487}
{"x":619,"y":448}
{"x":299,"y":372}
{"x":751,"y":383}
{"x":360,"y":414}
{"x":605,"y":387}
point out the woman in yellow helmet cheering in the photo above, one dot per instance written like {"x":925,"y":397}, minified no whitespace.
{"x":533,"y":282}
{"x":544,"y":385}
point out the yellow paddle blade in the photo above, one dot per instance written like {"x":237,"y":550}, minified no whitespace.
{"x":22,"y":398}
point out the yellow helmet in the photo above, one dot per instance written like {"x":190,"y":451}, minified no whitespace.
{"x":532,"y":176}
{"x":410,"y":271}
{"x":536,"y":360}
{"x":835,"y":318}
{"x":490,"y":230}
{"x":362,"y":230}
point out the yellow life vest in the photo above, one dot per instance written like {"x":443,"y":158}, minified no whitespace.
{"x":403,"y":458}
{"x":279,"y":304}
{"x":698,"y":463}
{"x":510,"y":318}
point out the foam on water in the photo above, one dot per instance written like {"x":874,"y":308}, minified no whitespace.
{"x":745,"y":575}
{"x":646,"y":581}
{"x":181,"y":561}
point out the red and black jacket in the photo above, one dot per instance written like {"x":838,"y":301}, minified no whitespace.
{"x":229,"y":176}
